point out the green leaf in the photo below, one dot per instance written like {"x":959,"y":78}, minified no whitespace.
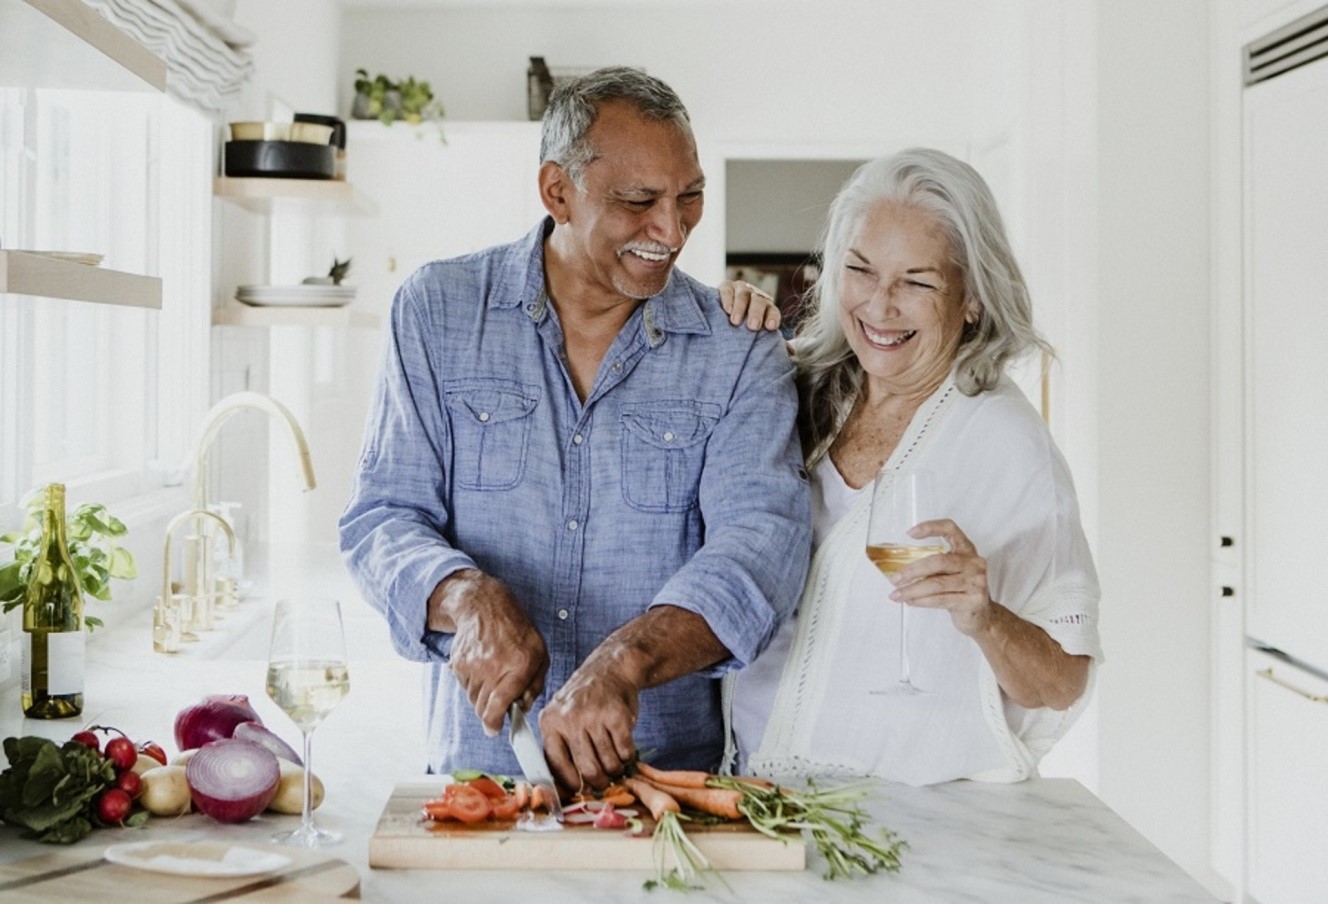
{"x":122,"y":564}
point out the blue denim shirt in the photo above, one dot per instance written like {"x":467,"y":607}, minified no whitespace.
{"x":678,"y":481}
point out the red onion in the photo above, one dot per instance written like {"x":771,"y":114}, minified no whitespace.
{"x":231,"y":780}
{"x":259,"y":734}
{"x":212,"y":719}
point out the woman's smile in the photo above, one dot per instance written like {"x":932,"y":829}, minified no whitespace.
{"x":886,"y":340}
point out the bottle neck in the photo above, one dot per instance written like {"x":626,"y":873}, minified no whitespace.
{"x":53,"y":518}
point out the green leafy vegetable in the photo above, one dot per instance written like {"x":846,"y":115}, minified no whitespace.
{"x":48,"y":789}
{"x":833,"y":817}
{"x":679,"y":864}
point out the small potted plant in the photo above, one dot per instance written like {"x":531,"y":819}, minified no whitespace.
{"x":93,"y":536}
{"x":375,"y":98}
{"x":411,"y":100}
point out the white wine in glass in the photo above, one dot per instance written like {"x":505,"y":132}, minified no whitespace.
{"x":307,"y":677}
{"x":900,"y":501}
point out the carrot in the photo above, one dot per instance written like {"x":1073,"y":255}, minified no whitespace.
{"x":755,"y":781}
{"x":623,"y":798}
{"x":657,"y":801}
{"x":722,"y":802}
{"x":678,"y":778}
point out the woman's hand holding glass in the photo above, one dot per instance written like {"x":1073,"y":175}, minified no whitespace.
{"x":955,"y":581}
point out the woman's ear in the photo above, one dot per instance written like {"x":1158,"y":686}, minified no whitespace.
{"x":554,"y":188}
{"x":972,"y":313}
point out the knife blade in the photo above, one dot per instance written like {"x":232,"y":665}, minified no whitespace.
{"x":530,"y":755}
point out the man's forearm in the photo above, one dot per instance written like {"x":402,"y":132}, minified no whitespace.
{"x":664,"y":643}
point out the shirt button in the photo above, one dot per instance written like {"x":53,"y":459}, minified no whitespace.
{"x":484,"y":417}
{"x":617,"y":366}
{"x":578,"y":439}
{"x":572,"y":525}
{"x":668,"y":436}
{"x":562,"y":614}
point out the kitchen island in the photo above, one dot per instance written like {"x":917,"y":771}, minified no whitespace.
{"x":1040,"y":840}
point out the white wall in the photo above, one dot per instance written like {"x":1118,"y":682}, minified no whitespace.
{"x":1151,"y":314}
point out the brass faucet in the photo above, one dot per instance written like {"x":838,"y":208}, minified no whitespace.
{"x":198,"y":591}
{"x":176,"y":614}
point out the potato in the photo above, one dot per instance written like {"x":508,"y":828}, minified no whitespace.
{"x":290,"y":790}
{"x":165,"y":791}
{"x":144,"y":763}
{"x":182,"y":758}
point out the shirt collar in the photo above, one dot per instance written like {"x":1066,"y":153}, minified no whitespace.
{"x":677,"y":309}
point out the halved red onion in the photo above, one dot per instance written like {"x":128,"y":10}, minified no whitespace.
{"x":231,"y":780}
{"x":260,"y":734}
{"x":212,"y":719}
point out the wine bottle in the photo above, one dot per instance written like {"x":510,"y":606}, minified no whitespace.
{"x":53,"y":622}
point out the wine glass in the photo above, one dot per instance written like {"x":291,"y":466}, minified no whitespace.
{"x":307,"y":677}
{"x":900,"y":500}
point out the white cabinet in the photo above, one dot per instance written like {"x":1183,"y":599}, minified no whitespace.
{"x":438,"y":200}
{"x":1287,"y":783}
{"x":1286,"y":333}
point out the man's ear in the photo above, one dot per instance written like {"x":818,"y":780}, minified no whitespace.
{"x":554,"y":188}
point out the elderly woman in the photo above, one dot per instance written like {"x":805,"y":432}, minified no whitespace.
{"x":919,"y":307}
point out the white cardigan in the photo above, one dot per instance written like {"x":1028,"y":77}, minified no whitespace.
{"x":999,"y":476}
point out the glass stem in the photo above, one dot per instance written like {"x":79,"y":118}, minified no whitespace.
{"x":306,"y":810}
{"x":903,"y":646}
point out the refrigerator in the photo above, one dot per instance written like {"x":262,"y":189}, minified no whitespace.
{"x":1285,"y":195}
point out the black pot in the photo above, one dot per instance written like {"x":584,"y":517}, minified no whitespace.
{"x":280,"y":159}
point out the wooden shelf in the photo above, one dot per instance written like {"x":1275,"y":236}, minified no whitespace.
{"x":236,"y":314}
{"x":67,"y":44}
{"x":22,"y":273}
{"x":306,"y":196}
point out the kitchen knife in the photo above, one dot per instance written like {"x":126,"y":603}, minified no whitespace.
{"x":530,"y":755}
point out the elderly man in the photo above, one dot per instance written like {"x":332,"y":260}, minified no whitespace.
{"x":580,"y":489}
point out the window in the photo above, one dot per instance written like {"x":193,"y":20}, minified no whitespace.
{"x":97,"y":395}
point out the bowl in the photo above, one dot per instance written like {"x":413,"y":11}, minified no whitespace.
{"x":260,"y":131}
{"x":282,"y":159}
{"x":310,"y":132}
{"x":338,"y":126}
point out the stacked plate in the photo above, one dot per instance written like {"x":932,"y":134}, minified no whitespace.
{"x":321,"y":296}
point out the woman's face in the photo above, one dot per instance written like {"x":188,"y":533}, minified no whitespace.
{"x":902,"y":305}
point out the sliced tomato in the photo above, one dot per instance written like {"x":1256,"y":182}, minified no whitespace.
{"x":506,"y":807}
{"x":466,"y":804}
{"x":487,"y":786}
{"x":437,"y":810}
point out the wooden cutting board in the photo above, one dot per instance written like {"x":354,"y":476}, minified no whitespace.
{"x":81,"y":874}
{"x":404,"y":840}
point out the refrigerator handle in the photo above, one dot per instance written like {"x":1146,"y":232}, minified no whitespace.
{"x":1313,"y":698}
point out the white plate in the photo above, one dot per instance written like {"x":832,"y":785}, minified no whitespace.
{"x":72,"y":257}
{"x":196,"y":859}
{"x":303,"y":289}
{"x":296,"y":301}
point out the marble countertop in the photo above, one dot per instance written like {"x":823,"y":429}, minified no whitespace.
{"x":1042,"y":840}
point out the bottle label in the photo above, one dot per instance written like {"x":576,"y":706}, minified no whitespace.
{"x":64,"y":657}
{"x":25,"y":662}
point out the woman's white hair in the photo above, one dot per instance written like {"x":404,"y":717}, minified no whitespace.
{"x":829,"y":375}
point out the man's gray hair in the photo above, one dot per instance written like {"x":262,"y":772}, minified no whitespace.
{"x":830,"y":376}
{"x":574,"y":105}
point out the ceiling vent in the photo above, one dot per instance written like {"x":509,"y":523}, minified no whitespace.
{"x":1290,"y":47}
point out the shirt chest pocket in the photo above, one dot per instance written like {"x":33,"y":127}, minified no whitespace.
{"x":490,"y":433}
{"x":663,"y":449}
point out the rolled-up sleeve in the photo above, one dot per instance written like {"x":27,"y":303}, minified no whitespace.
{"x":392,"y":532}
{"x":755,"y":502}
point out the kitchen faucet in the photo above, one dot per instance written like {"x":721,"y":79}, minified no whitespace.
{"x":174,"y":614}
{"x":198,"y":579}
{"x":219,"y":414}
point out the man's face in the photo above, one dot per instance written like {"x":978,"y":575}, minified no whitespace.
{"x":640,"y":198}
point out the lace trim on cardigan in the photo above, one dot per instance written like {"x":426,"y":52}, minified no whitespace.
{"x":787,"y":728}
